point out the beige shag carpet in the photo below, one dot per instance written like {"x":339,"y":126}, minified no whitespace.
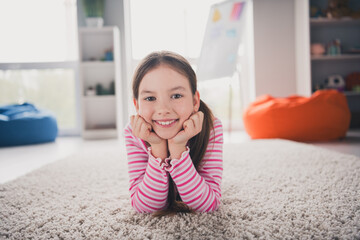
{"x":272,"y":189}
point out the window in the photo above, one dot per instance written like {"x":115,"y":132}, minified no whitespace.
{"x":38,"y":57}
{"x":179,"y":26}
{"x":38,"y":31}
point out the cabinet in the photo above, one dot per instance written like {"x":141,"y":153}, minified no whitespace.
{"x":99,"y":73}
{"x":325,"y":30}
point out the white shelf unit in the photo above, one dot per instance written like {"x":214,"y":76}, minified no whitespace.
{"x":347,"y":30}
{"x":100,"y":112}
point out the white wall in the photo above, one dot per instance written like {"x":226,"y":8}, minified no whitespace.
{"x":274,"y":47}
{"x":302,"y":43}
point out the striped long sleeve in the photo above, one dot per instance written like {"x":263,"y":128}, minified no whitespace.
{"x":201,"y":190}
{"x":149,"y":181}
{"x":149,"y":184}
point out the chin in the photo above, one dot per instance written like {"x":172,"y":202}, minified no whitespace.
{"x":166,"y":136}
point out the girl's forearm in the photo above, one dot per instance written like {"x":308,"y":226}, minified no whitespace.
{"x":176,"y":150}
{"x":160,"y":150}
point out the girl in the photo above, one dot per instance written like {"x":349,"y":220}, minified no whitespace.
{"x":174,"y":144}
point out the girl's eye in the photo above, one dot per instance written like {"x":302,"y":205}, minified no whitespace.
{"x":150,"y":99}
{"x":176,"y":96}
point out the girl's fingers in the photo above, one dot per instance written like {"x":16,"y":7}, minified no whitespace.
{"x":133,"y":123}
{"x":189,"y":128}
{"x":200,"y":120}
{"x":132,"y":119}
{"x":136,"y":125}
{"x":197,"y":120}
{"x":138,"y":122}
{"x":188,"y":124}
{"x":194,"y":119}
{"x":141,"y":128}
{"x":192,"y":127}
{"x":144,"y":130}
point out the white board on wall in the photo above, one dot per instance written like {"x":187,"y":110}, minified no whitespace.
{"x":223,"y":34}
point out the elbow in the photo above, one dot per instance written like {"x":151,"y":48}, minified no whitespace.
{"x":212,"y":206}
{"x":142,"y":207}
{"x":217,"y":205}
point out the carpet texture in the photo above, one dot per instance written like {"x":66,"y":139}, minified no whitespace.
{"x":272,"y":189}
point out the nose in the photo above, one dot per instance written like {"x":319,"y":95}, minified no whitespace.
{"x":163,"y":107}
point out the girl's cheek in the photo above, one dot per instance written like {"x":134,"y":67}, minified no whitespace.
{"x":186,"y":110}
{"x":145,"y":113}
{"x":142,"y":107}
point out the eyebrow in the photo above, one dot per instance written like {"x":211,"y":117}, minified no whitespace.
{"x":146,"y":92}
{"x":177,"y":88}
{"x":180,"y":88}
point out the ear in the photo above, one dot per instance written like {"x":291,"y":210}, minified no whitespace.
{"x":136,"y":104}
{"x":196,"y":101}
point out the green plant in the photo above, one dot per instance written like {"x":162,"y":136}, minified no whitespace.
{"x":93,"y":8}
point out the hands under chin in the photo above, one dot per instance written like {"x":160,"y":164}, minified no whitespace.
{"x":143,"y":130}
{"x":175,"y":145}
{"x":191,"y":127}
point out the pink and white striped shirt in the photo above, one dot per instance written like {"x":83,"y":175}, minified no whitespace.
{"x":149,"y":179}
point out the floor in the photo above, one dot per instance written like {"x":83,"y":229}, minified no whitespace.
{"x":17,"y":161}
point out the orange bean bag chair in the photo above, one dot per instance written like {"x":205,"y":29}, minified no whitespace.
{"x":323,"y":116}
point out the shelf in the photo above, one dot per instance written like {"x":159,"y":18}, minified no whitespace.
{"x":97,"y":64}
{"x":346,"y":93}
{"x":349,"y":93}
{"x":99,"y":112}
{"x":100,"y":133}
{"x":334,"y":22}
{"x":336,"y":57}
{"x":94,"y":30}
{"x":100,"y":98}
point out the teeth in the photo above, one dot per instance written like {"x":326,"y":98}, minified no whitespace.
{"x":166,"y":122}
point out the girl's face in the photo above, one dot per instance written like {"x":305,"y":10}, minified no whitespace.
{"x":165,"y":101}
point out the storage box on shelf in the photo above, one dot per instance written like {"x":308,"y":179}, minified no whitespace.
{"x":99,"y":50}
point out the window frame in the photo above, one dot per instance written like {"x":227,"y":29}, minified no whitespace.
{"x":74,"y":65}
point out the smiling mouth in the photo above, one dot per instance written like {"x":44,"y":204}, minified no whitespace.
{"x":167,"y":123}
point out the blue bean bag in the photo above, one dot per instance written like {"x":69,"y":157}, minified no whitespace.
{"x":26,"y":124}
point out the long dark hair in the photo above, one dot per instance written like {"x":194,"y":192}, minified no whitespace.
{"x":198,"y":143}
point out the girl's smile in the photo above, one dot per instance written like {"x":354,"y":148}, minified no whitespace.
{"x":166,"y":101}
{"x":166,"y":123}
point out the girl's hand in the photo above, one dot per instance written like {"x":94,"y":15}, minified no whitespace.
{"x":143,"y":130}
{"x":191,"y":127}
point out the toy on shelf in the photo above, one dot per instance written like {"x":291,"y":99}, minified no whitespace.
{"x":338,"y":9}
{"x":90,"y":91}
{"x":316,"y":12}
{"x":318,"y":86}
{"x":317,"y":49}
{"x":101,"y":90}
{"x":109,"y":56}
{"x":354,"y":50}
{"x":353,"y":82}
{"x":334,"y":48}
{"x":336,"y":82}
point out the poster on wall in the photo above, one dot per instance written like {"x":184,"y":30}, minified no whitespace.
{"x":223,"y":34}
